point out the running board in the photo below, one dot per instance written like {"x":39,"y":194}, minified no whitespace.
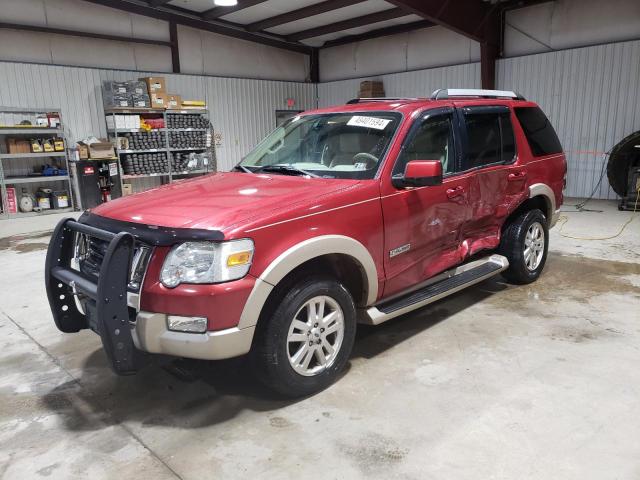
{"x":442,"y":285}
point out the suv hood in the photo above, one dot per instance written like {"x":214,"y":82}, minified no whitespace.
{"x":220,"y":201}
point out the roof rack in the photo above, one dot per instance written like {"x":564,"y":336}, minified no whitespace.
{"x":444,"y":93}
{"x":378,"y":99}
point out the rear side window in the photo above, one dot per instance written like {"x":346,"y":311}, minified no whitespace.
{"x":537,"y":128}
{"x":490,"y":137}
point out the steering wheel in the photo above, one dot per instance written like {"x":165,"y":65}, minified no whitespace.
{"x":367,"y":158}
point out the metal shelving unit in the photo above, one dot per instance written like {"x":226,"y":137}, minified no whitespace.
{"x":9,"y":165}
{"x":116,"y":134}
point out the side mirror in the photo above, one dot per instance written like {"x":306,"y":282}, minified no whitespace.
{"x":419,"y":173}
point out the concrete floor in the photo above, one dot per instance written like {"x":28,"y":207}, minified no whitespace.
{"x":497,"y":382}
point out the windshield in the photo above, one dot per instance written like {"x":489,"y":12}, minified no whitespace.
{"x":335,"y":145}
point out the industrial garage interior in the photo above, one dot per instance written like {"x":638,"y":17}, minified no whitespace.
{"x":131,"y":132}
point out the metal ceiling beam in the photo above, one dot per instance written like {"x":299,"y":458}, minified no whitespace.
{"x":181,"y":17}
{"x":477,"y":20}
{"x":75,"y":33}
{"x":157,"y":3}
{"x":301,"y":13}
{"x":347,"y":24}
{"x":515,"y":4}
{"x":461,"y":16}
{"x":382,"y":32}
{"x":217,"y":12}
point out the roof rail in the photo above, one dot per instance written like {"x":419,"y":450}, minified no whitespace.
{"x":378,"y":99}
{"x":444,"y":93}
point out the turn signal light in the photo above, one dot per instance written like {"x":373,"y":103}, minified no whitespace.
{"x":239,"y":258}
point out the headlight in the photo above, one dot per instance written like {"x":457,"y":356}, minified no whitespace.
{"x":207,"y":262}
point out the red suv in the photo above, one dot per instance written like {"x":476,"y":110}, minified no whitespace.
{"x":356,"y":213}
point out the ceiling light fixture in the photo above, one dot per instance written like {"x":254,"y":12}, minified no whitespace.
{"x":225,"y":3}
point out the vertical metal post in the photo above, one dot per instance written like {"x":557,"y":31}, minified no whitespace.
{"x":314,"y":65}
{"x":168,"y":146}
{"x":175,"y":51}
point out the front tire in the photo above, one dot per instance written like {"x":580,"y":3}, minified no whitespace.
{"x":525,"y":242}
{"x":305,"y":342}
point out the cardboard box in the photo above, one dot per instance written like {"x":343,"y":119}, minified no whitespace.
{"x":174,"y":101}
{"x":371,"y":88}
{"x":116,"y":121}
{"x":155,"y":84}
{"x":159,"y":100}
{"x":15,"y":145}
{"x":101,"y":150}
{"x":97,"y":151}
{"x":127,"y":189}
{"x":132,"y":122}
{"x":83,"y":151}
{"x":136,"y":87}
{"x":140,"y":101}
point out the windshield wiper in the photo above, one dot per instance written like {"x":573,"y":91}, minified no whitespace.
{"x":242,"y":169}
{"x":287,"y":169}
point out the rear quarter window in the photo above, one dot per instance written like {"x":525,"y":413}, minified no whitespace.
{"x":537,"y":128}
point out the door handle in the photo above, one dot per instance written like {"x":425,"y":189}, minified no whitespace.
{"x":514,"y":177}
{"x":455,"y":192}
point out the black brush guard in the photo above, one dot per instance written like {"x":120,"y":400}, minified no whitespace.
{"x":110,"y":316}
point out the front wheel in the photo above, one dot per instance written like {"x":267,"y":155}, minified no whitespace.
{"x":525,"y":242}
{"x":306,"y":341}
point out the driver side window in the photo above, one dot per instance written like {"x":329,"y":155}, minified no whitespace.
{"x":433,"y":140}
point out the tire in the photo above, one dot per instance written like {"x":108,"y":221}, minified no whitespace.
{"x":276,"y":348}
{"x":515,"y":240}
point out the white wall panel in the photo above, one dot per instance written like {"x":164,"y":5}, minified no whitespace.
{"x":212,"y":54}
{"x":570,"y":23}
{"x":201,"y":52}
{"x":591,"y":96}
{"x":242,"y":110}
{"x":424,"y":48}
{"x":419,"y":83}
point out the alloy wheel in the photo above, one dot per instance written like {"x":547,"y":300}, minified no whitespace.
{"x":315,"y":336}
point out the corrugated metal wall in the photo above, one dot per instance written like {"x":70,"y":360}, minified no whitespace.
{"x":591,"y":95}
{"x":242,"y":110}
{"x":418,"y":83}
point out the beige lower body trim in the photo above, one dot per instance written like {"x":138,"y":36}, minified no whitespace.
{"x":554,"y":218}
{"x":151,"y":334}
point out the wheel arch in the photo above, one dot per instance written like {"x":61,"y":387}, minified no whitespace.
{"x":540,"y":197}
{"x":342,"y":256}
{"x":543,"y":191}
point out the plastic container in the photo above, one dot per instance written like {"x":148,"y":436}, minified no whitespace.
{"x":59,"y":199}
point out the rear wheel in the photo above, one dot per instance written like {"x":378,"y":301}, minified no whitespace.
{"x":525,"y":242}
{"x":305,"y":343}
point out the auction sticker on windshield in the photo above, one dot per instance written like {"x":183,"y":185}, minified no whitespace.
{"x":368,"y":122}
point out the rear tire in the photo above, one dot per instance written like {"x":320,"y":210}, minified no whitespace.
{"x":525,"y":242}
{"x":304,"y":344}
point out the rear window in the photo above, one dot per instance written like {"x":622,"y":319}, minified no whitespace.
{"x":540,"y":134}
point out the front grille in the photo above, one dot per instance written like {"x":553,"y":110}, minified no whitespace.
{"x":90,"y":252}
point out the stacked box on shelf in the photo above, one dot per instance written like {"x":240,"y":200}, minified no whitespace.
{"x":115,"y":94}
{"x":125,"y":94}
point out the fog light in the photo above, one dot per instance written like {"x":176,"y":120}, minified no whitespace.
{"x":187,"y":324}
